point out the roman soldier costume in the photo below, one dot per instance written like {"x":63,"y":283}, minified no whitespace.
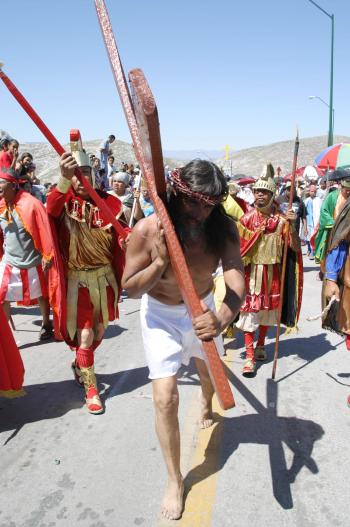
{"x":85,"y":279}
{"x":25,"y":246}
{"x":262,"y":234}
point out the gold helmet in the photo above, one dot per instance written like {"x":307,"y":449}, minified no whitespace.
{"x":266,"y":180}
{"x":79,"y":154}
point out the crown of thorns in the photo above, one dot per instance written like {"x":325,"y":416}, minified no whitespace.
{"x":183,"y":188}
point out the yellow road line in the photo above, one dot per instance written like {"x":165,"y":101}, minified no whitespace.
{"x":201,"y":481}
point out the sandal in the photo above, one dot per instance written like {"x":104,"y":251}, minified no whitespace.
{"x":260,"y":353}
{"x":249,"y":367}
{"x":93,"y":401}
{"x":46,"y":332}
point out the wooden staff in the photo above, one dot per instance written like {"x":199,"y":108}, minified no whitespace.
{"x":134,"y":204}
{"x":284,"y":258}
{"x":142,"y":117}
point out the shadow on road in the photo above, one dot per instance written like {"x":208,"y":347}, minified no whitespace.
{"x":265,"y":427}
{"x":55,"y":399}
{"x":35,"y":344}
{"x":188,"y":375}
{"x":342,"y":375}
{"x":308,"y":349}
{"x":32,"y":311}
{"x":113,"y":330}
{"x":307,"y":269}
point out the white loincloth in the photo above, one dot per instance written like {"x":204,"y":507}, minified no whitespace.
{"x":168,"y":336}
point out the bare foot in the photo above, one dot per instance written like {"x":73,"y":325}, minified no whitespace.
{"x":206,"y":419}
{"x":172,"y":505}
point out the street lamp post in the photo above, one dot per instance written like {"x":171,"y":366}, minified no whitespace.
{"x":330,"y":105}
{"x":324,"y":102}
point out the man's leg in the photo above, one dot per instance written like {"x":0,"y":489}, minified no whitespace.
{"x":46,"y":331}
{"x":97,"y":339}
{"x":166,"y":403}
{"x":98,"y":336}
{"x":206,"y":419}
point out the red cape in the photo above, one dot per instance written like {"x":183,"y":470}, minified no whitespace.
{"x":34,"y":218}
{"x":11,"y":365}
{"x":57,"y":276}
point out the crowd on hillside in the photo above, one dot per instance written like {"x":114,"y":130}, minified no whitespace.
{"x":119,"y":178}
{"x":123,"y":180}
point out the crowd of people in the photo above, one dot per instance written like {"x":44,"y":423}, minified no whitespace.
{"x":63,"y":253}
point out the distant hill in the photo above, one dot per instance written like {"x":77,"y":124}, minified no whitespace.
{"x":248,"y":161}
{"x":46,"y":159}
{"x":188,"y":155}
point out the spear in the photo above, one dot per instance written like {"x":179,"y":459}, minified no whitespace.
{"x":285,"y":251}
{"x":60,"y":150}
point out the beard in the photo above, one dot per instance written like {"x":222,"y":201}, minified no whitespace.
{"x":189,"y":232}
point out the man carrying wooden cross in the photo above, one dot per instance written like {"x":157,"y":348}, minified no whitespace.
{"x":170,"y":337}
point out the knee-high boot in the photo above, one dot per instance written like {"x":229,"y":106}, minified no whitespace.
{"x":75,"y":366}
{"x":85,"y":360}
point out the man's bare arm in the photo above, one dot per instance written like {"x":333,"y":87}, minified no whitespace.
{"x":209,"y":324}
{"x":234,"y":281}
{"x":141,"y":272}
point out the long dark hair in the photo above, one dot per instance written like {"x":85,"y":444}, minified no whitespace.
{"x":205,"y":177}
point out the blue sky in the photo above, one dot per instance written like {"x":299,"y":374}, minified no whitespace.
{"x":226,"y":72}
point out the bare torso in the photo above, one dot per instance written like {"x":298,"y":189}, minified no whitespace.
{"x":200,"y":262}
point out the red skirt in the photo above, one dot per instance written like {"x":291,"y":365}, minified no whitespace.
{"x":268,"y":297}
{"x":85,"y":315}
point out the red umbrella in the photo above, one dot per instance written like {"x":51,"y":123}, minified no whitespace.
{"x":245,"y":181}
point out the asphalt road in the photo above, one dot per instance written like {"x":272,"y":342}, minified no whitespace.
{"x":279,"y":458}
